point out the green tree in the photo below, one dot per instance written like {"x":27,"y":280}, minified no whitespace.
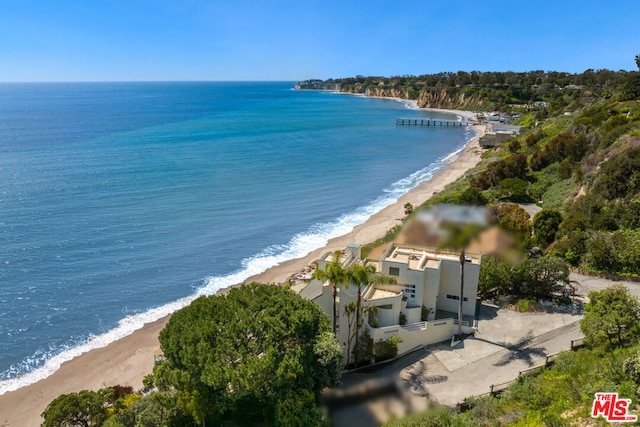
{"x":337,"y":276}
{"x":637,"y":58}
{"x":545,"y":226}
{"x":612,"y":315}
{"x":363,"y":351}
{"x":243,"y":355}
{"x":386,"y":349}
{"x":85,"y":408}
{"x":619,"y":176}
{"x":631,"y":367}
{"x":541,"y":277}
{"x":513,"y":166}
{"x":297,"y":409}
{"x":458,"y":238}
{"x":408,"y":208}
{"x":157,"y":409}
{"x":350,"y":313}
{"x":512,"y":217}
{"x":328,"y":354}
{"x":496,"y":276}
{"x":471,"y":196}
{"x":534,"y":278}
{"x":632,"y":86}
{"x":514,"y":189}
{"x":617,"y":253}
{"x":362,"y":276}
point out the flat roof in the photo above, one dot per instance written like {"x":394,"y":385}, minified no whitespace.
{"x":417,"y":258}
{"x":381,"y":293}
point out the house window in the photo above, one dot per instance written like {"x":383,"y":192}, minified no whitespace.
{"x":456,"y":297}
{"x":394,"y":271}
{"x":409,"y":290}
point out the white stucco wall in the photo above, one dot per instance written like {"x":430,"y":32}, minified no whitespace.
{"x":432,"y":332}
{"x":385,"y":316}
{"x":325,"y":301}
{"x":432,"y":290}
{"x":413,"y":314}
{"x":450,"y":285}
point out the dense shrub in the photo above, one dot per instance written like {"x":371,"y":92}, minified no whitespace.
{"x":511,"y":217}
{"x":617,"y":253}
{"x":532,"y":279}
{"x":612,"y":315}
{"x":243,"y":355}
{"x":545,"y":226}
{"x":513,"y":166}
{"x":619,"y":176}
{"x":386,"y":349}
{"x":565,"y":145}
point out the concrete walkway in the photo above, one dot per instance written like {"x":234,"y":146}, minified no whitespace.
{"x":474,"y":378}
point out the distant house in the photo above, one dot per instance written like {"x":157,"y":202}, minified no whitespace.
{"x":494,"y":139}
{"x":507,"y":128}
{"x":435,"y":216}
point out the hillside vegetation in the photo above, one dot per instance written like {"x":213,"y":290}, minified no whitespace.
{"x":563,"y":393}
{"x":486,"y":90}
{"x":578,"y":156}
{"x":261,"y":354}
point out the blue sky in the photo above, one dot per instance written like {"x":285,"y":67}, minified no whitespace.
{"x":135,"y":40}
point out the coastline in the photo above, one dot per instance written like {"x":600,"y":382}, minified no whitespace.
{"x":127,"y":360}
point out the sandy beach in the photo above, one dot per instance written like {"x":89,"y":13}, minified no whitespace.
{"x":128,"y":360}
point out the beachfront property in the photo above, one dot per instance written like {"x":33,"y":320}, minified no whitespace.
{"x":495,"y":139}
{"x":420,"y":309}
{"x":498,"y":134}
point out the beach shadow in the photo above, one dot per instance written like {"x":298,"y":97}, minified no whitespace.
{"x":522,"y":351}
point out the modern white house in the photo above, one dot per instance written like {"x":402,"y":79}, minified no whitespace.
{"x":420,"y":309}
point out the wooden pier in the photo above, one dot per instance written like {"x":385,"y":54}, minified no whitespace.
{"x":430,"y":122}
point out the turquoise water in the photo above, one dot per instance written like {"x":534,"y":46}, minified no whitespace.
{"x":119,"y":202}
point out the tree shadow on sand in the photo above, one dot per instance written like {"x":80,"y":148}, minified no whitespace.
{"x":522,"y":351}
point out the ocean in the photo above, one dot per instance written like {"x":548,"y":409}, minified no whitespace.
{"x":121,"y":202}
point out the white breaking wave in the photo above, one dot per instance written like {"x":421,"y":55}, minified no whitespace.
{"x":300,"y":245}
{"x":319,"y":234}
{"x":125,"y":327}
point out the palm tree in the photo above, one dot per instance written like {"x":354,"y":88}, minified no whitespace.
{"x":363,"y":276}
{"x":458,"y":239}
{"x":638,"y":61}
{"x":336,"y":275}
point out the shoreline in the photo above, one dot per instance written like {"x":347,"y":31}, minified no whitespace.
{"x":127,"y":360}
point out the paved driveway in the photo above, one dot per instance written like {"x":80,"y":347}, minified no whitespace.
{"x":506,"y":343}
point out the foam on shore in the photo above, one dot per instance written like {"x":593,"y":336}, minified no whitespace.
{"x":125,"y":327}
{"x":300,"y":245}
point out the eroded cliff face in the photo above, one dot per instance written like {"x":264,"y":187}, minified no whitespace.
{"x":430,"y":98}
{"x":427,"y":97}
{"x":388,"y":92}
